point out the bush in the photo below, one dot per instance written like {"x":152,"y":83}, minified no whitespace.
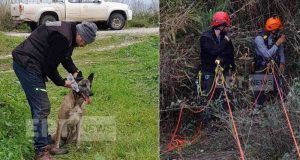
{"x":6,"y":22}
{"x":5,"y":19}
{"x":182,"y":22}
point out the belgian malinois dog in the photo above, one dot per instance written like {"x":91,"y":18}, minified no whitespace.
{"x":71,"y":112}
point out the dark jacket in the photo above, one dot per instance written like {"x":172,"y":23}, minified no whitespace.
{"x":211,"y":49}
{"x":46,"y":48}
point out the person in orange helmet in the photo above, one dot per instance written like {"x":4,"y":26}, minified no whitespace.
{"x":268,"y":46}
{"x":216,"y":44}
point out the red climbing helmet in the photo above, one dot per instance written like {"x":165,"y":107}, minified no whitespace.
{"x":220,"y":18}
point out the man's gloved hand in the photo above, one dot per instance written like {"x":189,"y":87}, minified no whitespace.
{"x":280,"y":40}
{"x":282,"y":67}
{"x":68,"y":83}
{"x":227,"y":38}
{"x":71,"y":83}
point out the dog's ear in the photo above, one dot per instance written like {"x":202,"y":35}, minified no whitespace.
{"x":79,"y":77}
{"x":91,"y":77}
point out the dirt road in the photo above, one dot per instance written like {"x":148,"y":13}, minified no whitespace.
{"x":107,"y":33}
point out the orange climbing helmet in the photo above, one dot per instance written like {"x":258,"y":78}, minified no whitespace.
{"x":220,"y":18}
{"x":273,"y":24}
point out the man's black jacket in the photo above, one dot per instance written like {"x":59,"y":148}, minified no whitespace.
{"x":211,"y":49}
{"x":46,"y":48}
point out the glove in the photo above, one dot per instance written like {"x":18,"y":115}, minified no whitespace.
{"x":227,"y":38}
{"x":74,"y":85}
{"x":281,"y":40}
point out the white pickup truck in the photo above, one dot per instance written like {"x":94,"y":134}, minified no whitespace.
{"x":104,"y":14}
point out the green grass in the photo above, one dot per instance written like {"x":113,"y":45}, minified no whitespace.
{"x":8,"y":43}
{"x":8,"y":26}
{"x":144,"y":20}
{"x":125,"y":88}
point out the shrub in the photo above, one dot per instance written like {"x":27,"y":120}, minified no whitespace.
{"x":182,"y":22}
{"x":6,"y":22}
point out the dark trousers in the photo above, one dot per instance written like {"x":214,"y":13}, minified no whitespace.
{"x":34,"y":87}
{"x":260,"y":94}
{"x":207,"y":84}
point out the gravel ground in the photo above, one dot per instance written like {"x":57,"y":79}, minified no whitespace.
{"x":102,"y":34}
{"x":107,"y":33}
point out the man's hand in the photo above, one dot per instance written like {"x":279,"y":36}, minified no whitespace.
{"x":78,"y":76}
{"x":75,"y":74}
{"x":280,"y":40}
{"x":68,"y":83}
{"x":227,"y":38}
{"x":282,"y":68}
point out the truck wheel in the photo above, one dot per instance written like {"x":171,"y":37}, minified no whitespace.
{"x":32,"y":25}
{"x":116,"y":21}
{"x":102,"y":25}
{"x":46,"y":18}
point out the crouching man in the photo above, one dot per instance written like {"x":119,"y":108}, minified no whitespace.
{"x":37,"y":58}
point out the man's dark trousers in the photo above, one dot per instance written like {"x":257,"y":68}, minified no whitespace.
{"x":207,"y":84}
{"x":34,"y":86}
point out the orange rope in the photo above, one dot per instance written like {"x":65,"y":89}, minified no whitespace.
{"x":178,"y":123}
{"x":286,"y":114}
{"x":208,"y":102}
{"x":260,"y":89}
{"x":233,"y":122}
{"x":179,"y":142}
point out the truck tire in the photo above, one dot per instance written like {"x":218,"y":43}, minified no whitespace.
{"x":32,"y":25}
{"x":102,"y":25}
{"x":46,"y":18}
{"x":116,"y":21}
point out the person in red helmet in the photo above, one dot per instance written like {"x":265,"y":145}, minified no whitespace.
{"x":216,"y":44}
{"x":268,"y":47}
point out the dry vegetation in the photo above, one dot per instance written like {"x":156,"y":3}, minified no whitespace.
{"x":263,"y":137}
{"x":5,"y":20}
